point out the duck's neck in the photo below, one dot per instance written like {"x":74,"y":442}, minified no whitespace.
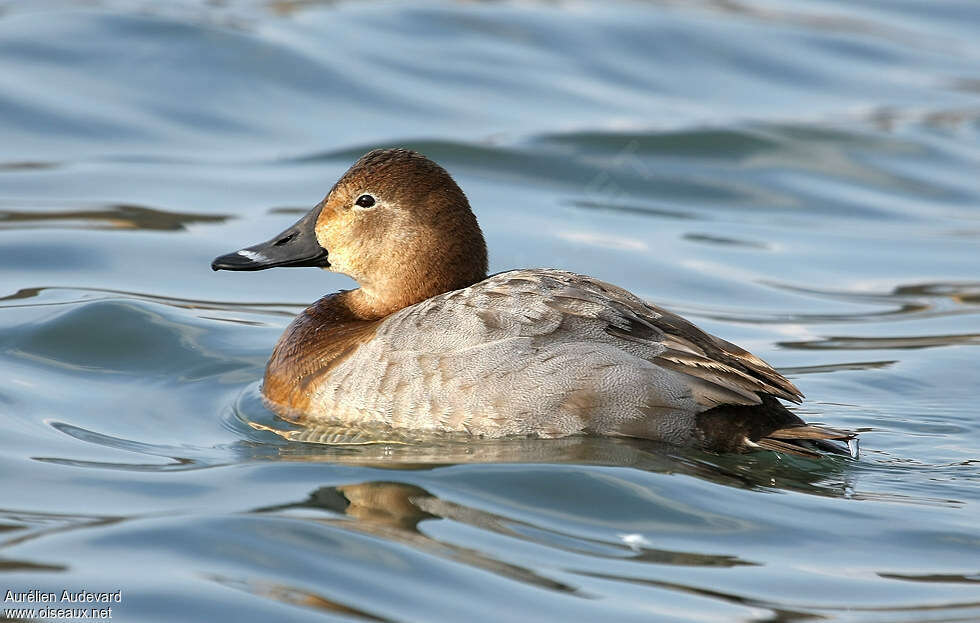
{"x":379,"y":299}
{"x":412,"y":282}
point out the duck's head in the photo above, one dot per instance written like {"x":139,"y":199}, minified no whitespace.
{"x":396,"y":222}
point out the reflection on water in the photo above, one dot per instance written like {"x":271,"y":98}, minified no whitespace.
{"x":15,"y":166}
{"x":74,"y":296}
{"x":395,"y":511}
{"x":174,"y":463}
{"x":931,"y":300}
{"x":294,"y":596}
{"x":108,"y":217}
{"x":884,"y":343}
{"x":839,"y":367}
{"x":800,"y":180}
{"x":634,"y":209}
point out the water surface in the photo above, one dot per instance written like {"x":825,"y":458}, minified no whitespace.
{"x":800,"y":178}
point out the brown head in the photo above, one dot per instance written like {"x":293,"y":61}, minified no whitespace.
{"x":396,"y":222}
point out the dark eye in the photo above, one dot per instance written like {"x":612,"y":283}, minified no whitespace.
{"x":365,"y":201}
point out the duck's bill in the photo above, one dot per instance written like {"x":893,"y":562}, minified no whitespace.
{"x":296,"y":246}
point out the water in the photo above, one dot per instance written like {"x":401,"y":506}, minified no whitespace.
{"x":800,"y":178}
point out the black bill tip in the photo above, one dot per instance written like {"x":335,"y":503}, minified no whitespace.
{"x":234,"y":261}
{"x":254,"y":259}
{"x":296,"y":246}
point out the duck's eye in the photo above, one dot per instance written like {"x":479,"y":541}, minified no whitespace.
{"x":365,"y":201}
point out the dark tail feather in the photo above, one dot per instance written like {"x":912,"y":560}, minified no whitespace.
{"x":769,"y":426}
{"x":809,"y":440}
{"x":789,"y":448}
{"x":810,"y":431}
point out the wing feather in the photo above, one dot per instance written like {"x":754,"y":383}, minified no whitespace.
{"x":539,"y":302}
{"x":730,"y":372}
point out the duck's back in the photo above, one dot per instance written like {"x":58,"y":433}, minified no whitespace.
{"x":538,"y":351}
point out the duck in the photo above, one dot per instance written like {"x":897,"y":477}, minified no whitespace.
{"x":430,"y":343}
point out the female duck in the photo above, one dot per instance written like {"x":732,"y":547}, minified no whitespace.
{"x":428,"y":342}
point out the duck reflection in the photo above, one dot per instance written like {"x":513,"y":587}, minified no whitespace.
{"x":396,"y":511}
{"x":830,"y":478}
{"x":393,"y":511}
{"x":293,"y":595}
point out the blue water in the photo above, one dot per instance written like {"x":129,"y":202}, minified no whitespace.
{"x":797,"y":177}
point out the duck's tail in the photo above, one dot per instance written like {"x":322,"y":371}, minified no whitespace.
{"x":770,"y":426}
{"x":810,"y":441}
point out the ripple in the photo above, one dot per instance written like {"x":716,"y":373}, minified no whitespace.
{"x":882,"y":343}
{"x":727,"y":143}
{"x":111,"y":217}
{"x":14,"y":566}
{"x":942,"y":578}
{"x":27,"y":165}
{"x":902,"y":303}
{"x":295,"y":596}
{"x":179,"y":459}
{"x":644,"y":210}
{"x":108,"y":336}
{"x":725,"y":241}
{"x":76,"y":295}
{"x":838,"y":367}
